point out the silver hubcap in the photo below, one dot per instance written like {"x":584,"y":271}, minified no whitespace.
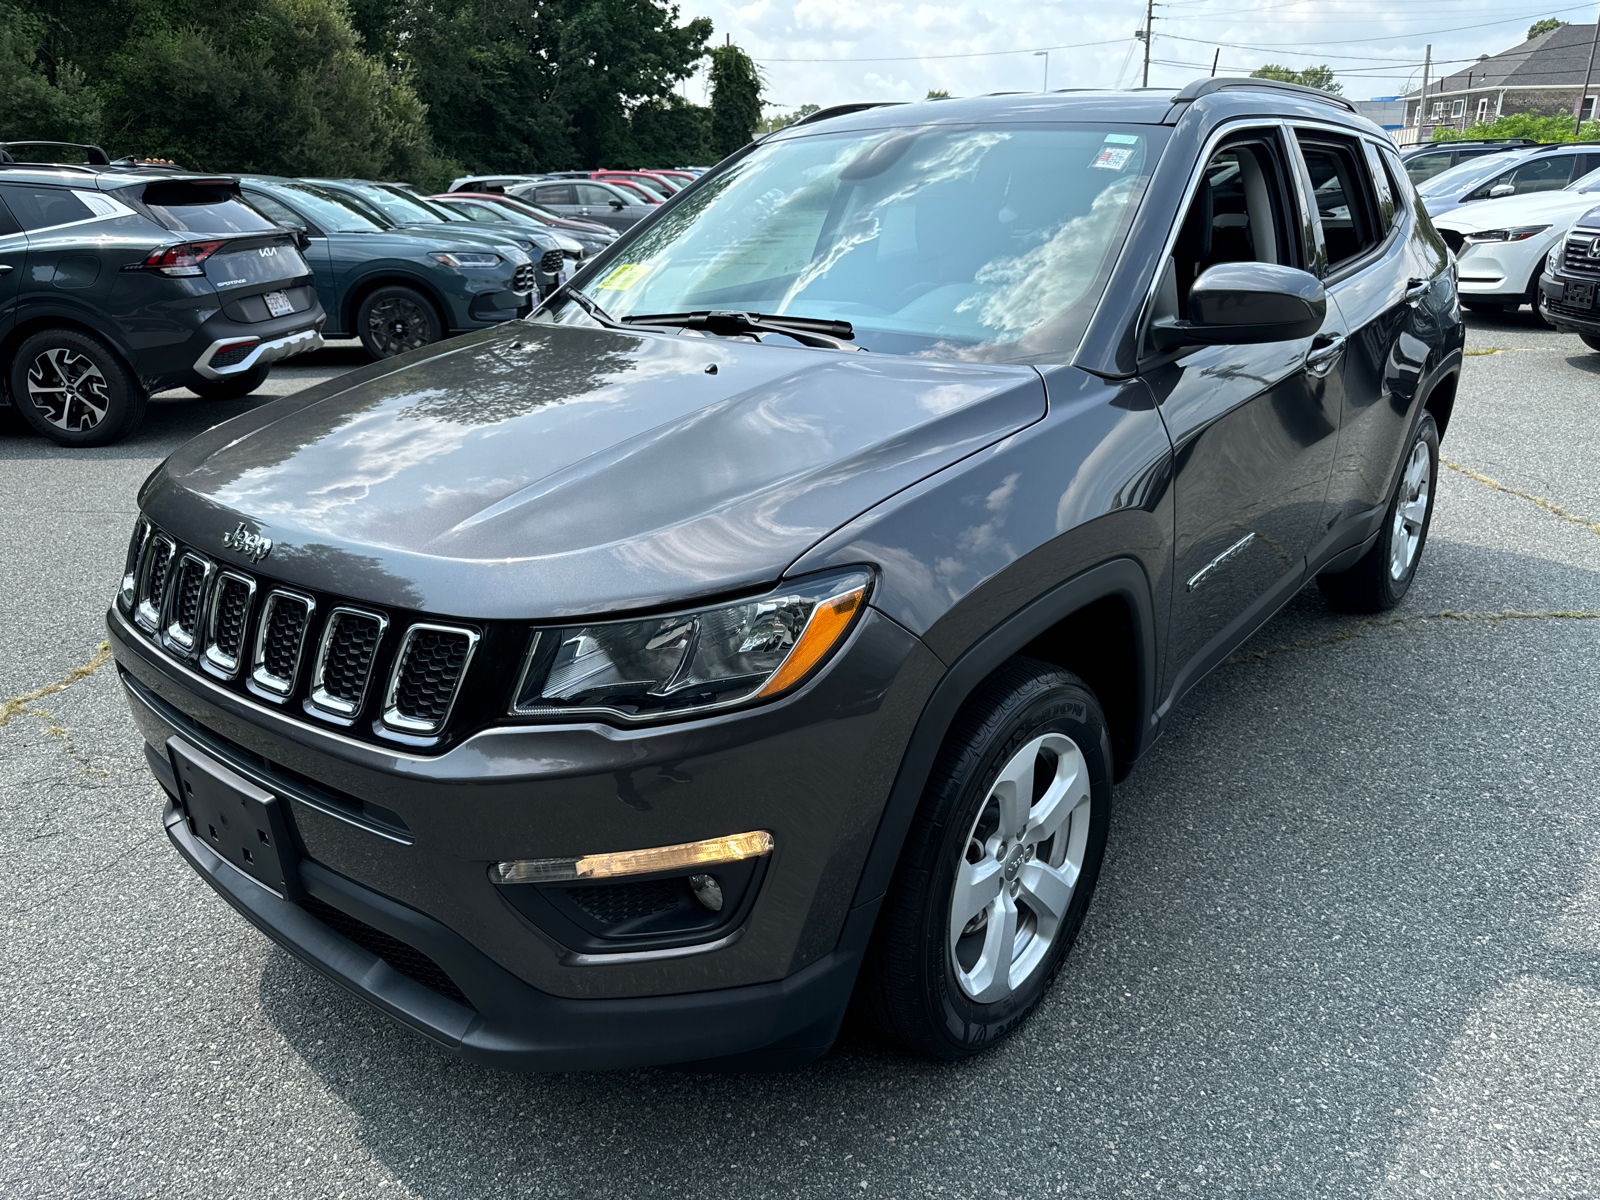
{"x":398,"y":325}
{"x":1410,"y":512}
{"x":1023,"y":857}
{"x":68,"y":389}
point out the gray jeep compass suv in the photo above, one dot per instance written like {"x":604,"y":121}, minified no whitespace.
{"x":765,"y":621}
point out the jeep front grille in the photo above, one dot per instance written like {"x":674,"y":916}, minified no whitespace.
{"x":230,"y":611}
{"x":187,"y":591}
{"x":426,"y":676}
{"x":344,"y":660}
{"x":279,"y":641}
{"x":1578,"y":257}
{"x":153,"y":588}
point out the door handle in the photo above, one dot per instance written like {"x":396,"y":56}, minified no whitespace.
{"x":1416,"y":289}
{"x":1326,"y":350}
{"x":5,"y":268}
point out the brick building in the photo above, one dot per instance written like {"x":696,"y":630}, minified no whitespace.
{"x":1543,"y":75}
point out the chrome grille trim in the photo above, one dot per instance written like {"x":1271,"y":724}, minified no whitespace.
{"x":148,"y":611}
{"x":320,"y":697}
{"x":130,"y":568}
{"x":1578,"y":253}
{"x":276,"y":686}
{"x":215,"y":658}
{"x":178,"y":582}
{"x":392,"y":717}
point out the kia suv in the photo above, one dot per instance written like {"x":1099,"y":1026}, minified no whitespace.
{"x":767,"y":620}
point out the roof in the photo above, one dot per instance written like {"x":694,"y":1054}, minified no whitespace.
{"x":1558,"y":57}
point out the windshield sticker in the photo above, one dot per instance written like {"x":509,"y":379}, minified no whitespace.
{"x":1123,"y":139}
{"x":1112,"y":160}
{"x":624,"y":276}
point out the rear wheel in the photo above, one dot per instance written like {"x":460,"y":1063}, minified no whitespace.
{"x":391,"y":320}
{"x":232,"y":387}
{"x":1382,"y":576}
{"x":998,"y":867}
{"x":75,"y":389}
{"x":1591,"y":340}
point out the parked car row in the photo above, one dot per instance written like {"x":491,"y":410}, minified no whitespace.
{"x":120,"y":280}
{"x":615,"y":198}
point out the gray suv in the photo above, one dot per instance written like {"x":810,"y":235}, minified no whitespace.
{"x":767,"y":619}
{"x":589,"y":199}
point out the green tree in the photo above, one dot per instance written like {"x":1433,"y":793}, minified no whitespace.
{"x":1317,"y":77}
{"x":1537,"y":126}
{"x":1544,"y":26}
{"x":735,"y":99}
{"x":671,"y":132}
{"x":780,"y":120}
{"x":32,"y":104}
{"x":937,"y":94}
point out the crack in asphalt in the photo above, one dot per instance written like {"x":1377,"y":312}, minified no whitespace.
{"x":17,"y":705}
{"x":1361,"y":628}
{"x":1592,"y":526}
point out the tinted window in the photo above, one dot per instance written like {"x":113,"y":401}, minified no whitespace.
{"x":8,"y":223}
{"x":329,"y":210}
{"x":1547,"y":173}
{"x":589,"y":193}
{"x":1399,"y":181}
{"x":560,"y":194}
{"x":44,"y":207}
{"x":402,"y":207}
{"x":1383,"y":194}
{"x":280,"y":214}
{"x":1343,"y":192}
{"x":1462,"y":175}
{"x":191,"y":208}
{"x":1423,"y":167}
{"x":990,"y":243}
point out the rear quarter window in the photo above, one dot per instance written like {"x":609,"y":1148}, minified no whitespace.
{"x":44,"y":207}
{"x":188,"y":208}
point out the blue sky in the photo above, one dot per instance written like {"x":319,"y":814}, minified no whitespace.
{"x":1375,"y":46}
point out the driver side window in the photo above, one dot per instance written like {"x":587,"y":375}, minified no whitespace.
{"x":1237,"y":214}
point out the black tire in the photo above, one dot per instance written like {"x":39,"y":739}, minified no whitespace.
{"x":915,"y":983}
{"x":391,"y":320}
{"x":232,"y":387}
{"x":1487,"y":307}
{"x":75,"y":389}
{"x":1373,"y":584}
{"x":1591,"y":340}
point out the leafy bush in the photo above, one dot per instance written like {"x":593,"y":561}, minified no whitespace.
{"x":1523,"y":125}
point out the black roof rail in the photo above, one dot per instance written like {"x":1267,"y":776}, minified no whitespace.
{"x":93,"y":156}
{"x":1208,"y":87}
{"x":842,"y":110}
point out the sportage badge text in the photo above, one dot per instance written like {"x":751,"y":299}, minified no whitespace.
{"x":252,"y":545}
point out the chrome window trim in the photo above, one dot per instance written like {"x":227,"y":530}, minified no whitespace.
{"x":396,"y":720}
{"x":145,"y":614}
{"x":275,"y":687}
{"x":319,"y":697}
{"x":171,"y":633}
{"x":213,"y":659}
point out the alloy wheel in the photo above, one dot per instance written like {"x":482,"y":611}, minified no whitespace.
{"x":1410,"y":511}
{"x":1023,"y":856}
{"x":68,"y":389}
{"x":398,"y":324}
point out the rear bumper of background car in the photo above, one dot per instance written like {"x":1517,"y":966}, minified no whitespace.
{"x":395,"y":849}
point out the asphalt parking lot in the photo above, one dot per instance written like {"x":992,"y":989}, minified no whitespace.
{"x":1347,"y":940}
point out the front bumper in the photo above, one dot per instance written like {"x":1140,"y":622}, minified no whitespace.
{"x":1566,"y":317}
{"x":814,"y":769}
{"x":1501,"y":270}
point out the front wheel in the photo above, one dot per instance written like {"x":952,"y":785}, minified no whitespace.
{"x":998,"y":867}
{"x":1487,"y":307}
{"x":232,"y":387}
{"x":75,"y":389}
{"x":1382,"y":576}
{"x":391,"y":320}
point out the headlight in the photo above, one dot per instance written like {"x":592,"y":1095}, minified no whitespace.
{"x":691,"y":662}
{"x":1520,"y":233}
{"x":469,"y":258}
{"x":1552,"y":261}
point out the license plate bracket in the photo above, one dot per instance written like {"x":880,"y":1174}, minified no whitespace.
{"x":279,"y":304}
{"x":1579,"y":295}
{"x":242,"y":824}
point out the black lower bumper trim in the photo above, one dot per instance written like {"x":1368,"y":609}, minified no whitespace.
{"x":516,"y":1027}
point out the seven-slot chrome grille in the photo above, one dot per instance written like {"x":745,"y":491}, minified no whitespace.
{"x":1579,"y":256}
{"x":277,"y":643}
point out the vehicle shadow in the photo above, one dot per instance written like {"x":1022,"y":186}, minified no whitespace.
{"x":1332,"y":866}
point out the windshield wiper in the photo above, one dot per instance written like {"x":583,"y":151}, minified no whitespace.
{"x":583,"y":302}
{"x":829,"y":335}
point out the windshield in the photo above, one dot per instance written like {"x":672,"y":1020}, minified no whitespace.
{"x":398,"y":206}
{"x":987,"y":242}
{"x":1585,"y":183}
{"x":329,"y":211}
{"x":1465,"y":175}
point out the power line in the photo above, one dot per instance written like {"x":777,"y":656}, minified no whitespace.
{"x":970,"y":54}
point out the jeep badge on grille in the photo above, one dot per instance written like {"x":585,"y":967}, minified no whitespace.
{"x":252,"y":545}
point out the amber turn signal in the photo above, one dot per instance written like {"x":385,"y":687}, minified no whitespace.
{"x":828,"y":623}
{"x":732,"y":848}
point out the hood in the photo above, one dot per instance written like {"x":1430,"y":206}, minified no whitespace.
{"x":534,"y":471}
{"x":1516,"y":210}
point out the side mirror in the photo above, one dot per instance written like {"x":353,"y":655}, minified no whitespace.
{"x":1246,"y":304}
{"x":616,"y":205}
{"x":1502,"y":189}
{"x":302,"y":238}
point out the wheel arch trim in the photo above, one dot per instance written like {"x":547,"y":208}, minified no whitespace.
{"x":1120,"y":578}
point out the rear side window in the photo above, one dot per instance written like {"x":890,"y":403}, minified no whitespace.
{"x":201,"y":208}
{"x":1383,"y":189}
{"x":560,"y":194}
{"x":1425,"y":166}
{"x":588,"y":193}
{"x":1343,"y":193}
{"x":282,"y":214}
{"x":44,"y":207}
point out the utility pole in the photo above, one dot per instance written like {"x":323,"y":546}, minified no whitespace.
{"x":1149,"y":20}
{"x":1214,"y":59}
{"x":1422,"y":104}
{"x":1583,"y":95}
